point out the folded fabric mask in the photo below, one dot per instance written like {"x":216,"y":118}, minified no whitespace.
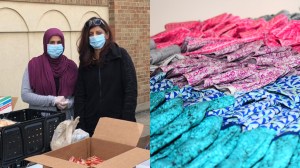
{"x":55,"y":50}
{"x":97,"y":42}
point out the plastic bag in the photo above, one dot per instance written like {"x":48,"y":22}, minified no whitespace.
{"x":63,"y":134}
{"x":79,"y":135}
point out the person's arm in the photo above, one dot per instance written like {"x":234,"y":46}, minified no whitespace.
{"x":130,"y":88}
{"x":70,"y":102}
{"x":79,"y":99}
{"x":32,"y":98}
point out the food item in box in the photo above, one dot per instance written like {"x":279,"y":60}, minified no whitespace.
{"x":95,"y":160}
{"x":91,"y":161}
{"x":5,"y":122}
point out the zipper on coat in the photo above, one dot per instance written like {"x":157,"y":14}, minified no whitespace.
{"x":100,"y":92}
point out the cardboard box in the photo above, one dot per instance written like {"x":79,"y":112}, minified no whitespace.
{"x":14,"y":102}
{"x":7,"y":103}
{"x":114,"y":141}
{"x":145,"y":164}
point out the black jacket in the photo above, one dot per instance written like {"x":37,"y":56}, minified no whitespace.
{"x":106,"y":91}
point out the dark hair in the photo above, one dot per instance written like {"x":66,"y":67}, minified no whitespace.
{"x":85,"y":50}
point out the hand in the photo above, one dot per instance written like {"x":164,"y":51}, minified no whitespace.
{"x":59,"y":99}
{"x":63,"y":104}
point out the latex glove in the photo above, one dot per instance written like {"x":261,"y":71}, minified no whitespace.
{"x":59,"y":99}
{"x":63,"y":104}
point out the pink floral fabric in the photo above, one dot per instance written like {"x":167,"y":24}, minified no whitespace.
{"x":196,"y":77}
{"x":222,"y":47}
{"x":257,"y":80}
{"x":187,"y":24}
{"x":245,"y":51}
{"x":231,"y":53}
{"x":230,"y":76}
{"x":180,"y":64}
{"x":279,"y":31}
{"x":260,"y":66}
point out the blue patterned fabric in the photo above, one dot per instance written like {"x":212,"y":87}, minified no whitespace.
{"x":274,"y":106}
{"x":294,"y":126}
{"x":282,"y":120}
{"x":161,"y":86}
{"x":191,"y":96}
{"x":263,"y":117}
{"x":245,"y":111}
{"x":287,"y":86}
{"x":256,"y":95}
{"x":220,"y":112}
{"x":157,"y":78}
{"x":241,"y":100}
{"x":159,"y":83}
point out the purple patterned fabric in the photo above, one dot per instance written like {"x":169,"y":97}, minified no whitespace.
{"x":247,"y":67}
{"x":245,"y":51}
{"x":258,"y":79}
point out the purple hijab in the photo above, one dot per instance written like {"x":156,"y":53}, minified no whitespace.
{"x":43,"y":69}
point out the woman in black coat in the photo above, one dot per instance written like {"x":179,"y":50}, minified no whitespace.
{"x":107,"y":84}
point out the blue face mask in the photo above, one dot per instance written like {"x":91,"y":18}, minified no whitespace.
{"x":97,"y":42}
{"x":55,"y":50}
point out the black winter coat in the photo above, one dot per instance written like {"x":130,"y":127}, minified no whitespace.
{"x":106,"y":91}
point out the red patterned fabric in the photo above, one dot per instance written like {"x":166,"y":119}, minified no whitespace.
{"x":279,"y":31}
{"x":231,"y":53}
{"x":188,"y":24}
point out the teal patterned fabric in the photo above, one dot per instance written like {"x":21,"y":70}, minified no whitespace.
{"x":190,"y":144}
{"x":280,"y":152}
{"x":219,"y":150}
{"x":190,"y":117}
{"x":252,"y":146}
{"x":156,"y":99}
{"x":165,"y":114}
{"x":295,"y":160}
{"x":259,"y":129}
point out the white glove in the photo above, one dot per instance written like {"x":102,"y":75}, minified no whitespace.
{"x":63,"y":104}
{"x":58,"y":99}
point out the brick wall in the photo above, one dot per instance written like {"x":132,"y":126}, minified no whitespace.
{"x":68,"y":2}
{"x":130,"y":21}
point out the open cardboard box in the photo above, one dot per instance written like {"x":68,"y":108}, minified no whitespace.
{"x":114,"y":141}
{"x":14,"y":102}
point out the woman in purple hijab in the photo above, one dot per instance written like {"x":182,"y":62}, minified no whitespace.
{"x":49,"y":80}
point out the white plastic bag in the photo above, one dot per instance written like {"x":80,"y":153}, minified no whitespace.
{"x":79,"y":135}
{"x":63,"y":134}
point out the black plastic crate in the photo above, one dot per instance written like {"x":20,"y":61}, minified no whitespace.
{"x":31,"y":134}
{"x":17,"y":164}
